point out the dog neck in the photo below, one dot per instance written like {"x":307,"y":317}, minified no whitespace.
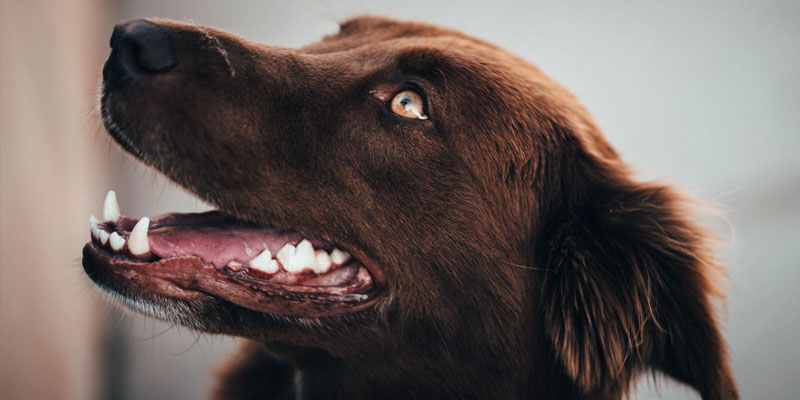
{"x":393,"y":374}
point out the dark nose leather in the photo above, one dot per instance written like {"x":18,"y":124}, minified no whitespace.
{"x":139,"y":47}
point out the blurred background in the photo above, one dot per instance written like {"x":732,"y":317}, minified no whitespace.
{"x":705,"y":95}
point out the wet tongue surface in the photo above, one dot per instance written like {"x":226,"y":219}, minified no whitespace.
{"x":218,"y":245}
{"x":219,"y":239}
{"x":215,"y":237}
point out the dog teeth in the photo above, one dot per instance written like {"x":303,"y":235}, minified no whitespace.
{"x":286,"y":257}
{"x":98,"y":233}
{"x":299,"y":258}
{"x":104,"y":236}
{"x":94,"y":226}
{"x":323,"y":261}
{"x":339,"y":257}
{"x":271,"y":267}
{"x":296,"y":259}
{"x":264,"y":262}
{"x":117,"y":241}
{"x":304,"y":255}
{"x":137,"y":241}
{"x":293,"y":259}
{"x":111,"y":207}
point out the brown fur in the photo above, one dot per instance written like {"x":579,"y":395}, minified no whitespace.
{"x":522,"y":259}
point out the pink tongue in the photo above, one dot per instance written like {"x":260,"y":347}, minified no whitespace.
{"x":219,"y":246}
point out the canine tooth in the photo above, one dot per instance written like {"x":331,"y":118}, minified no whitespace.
{"x":103,"y":236}
{"x":138,"y":243}
{"x":339,"y":257}
{"x":286,"y":257}
{"x":111,"y":207}
{"x":264,"y":262}
{"x":304,"y":255}
{"x":117,"y":241}
{"x":323,"y":263}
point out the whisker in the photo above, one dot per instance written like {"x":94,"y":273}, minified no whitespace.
{"x":513,"y":264}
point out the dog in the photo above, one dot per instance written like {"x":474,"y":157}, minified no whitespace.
{"x":404,"y":211}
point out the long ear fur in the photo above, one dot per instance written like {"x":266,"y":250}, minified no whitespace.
{"x":627,"y":286}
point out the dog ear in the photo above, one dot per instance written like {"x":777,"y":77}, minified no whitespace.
{"x":627,"y":283}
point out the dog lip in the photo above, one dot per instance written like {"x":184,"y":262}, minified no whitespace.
{"x":368,"y":262}
{"x":189,"y":278}
{"x":186,"y":256}
{"x":124,"y":225}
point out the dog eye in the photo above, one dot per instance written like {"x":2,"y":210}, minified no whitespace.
{"x":409,"y":104}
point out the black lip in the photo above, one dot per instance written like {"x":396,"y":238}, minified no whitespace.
{"x":188,"y":278}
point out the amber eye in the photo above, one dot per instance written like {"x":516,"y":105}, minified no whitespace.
{"x":409,"y":104}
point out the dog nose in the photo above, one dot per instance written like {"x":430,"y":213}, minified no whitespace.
{"x":139,"y":47}
{"x":149,"y":45}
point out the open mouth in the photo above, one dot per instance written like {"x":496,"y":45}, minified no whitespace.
{"x":200,"y":255}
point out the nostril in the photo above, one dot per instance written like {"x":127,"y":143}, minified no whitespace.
{"x":144,"y":46}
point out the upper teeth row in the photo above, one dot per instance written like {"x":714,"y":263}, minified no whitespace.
{"x":138,"y":244}
{"x":292,"y":258}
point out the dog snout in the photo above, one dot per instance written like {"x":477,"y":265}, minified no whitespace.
{"x":139,"y":47}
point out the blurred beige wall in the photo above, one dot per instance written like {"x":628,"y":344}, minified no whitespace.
{"x":50,"y":55}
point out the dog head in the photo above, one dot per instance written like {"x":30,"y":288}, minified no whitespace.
{"x":471,"y":215}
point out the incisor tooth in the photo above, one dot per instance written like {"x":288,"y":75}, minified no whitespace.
{"x":137,"y":241}
{"x":264,"y":262}
{"x":111,"y":207}
{"x":234,"y":265}
{"x":339,"y":257}
{"x":116,"y":241}
{"x":94,"y":226}
{"x":323,"y":263}
{"x":103,"y":236}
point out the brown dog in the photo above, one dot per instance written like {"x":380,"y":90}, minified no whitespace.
{"x":452,"y":223}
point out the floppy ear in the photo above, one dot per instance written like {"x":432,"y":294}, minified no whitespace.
{"x":626,"y":285}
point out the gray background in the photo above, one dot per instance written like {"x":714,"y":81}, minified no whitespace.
{"x":705,"y":96}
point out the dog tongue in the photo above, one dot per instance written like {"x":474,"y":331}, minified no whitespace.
{"x":218,"y":245}
{"x":219,"y":240}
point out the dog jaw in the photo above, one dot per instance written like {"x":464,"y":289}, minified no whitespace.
{"x":215,"y":255}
